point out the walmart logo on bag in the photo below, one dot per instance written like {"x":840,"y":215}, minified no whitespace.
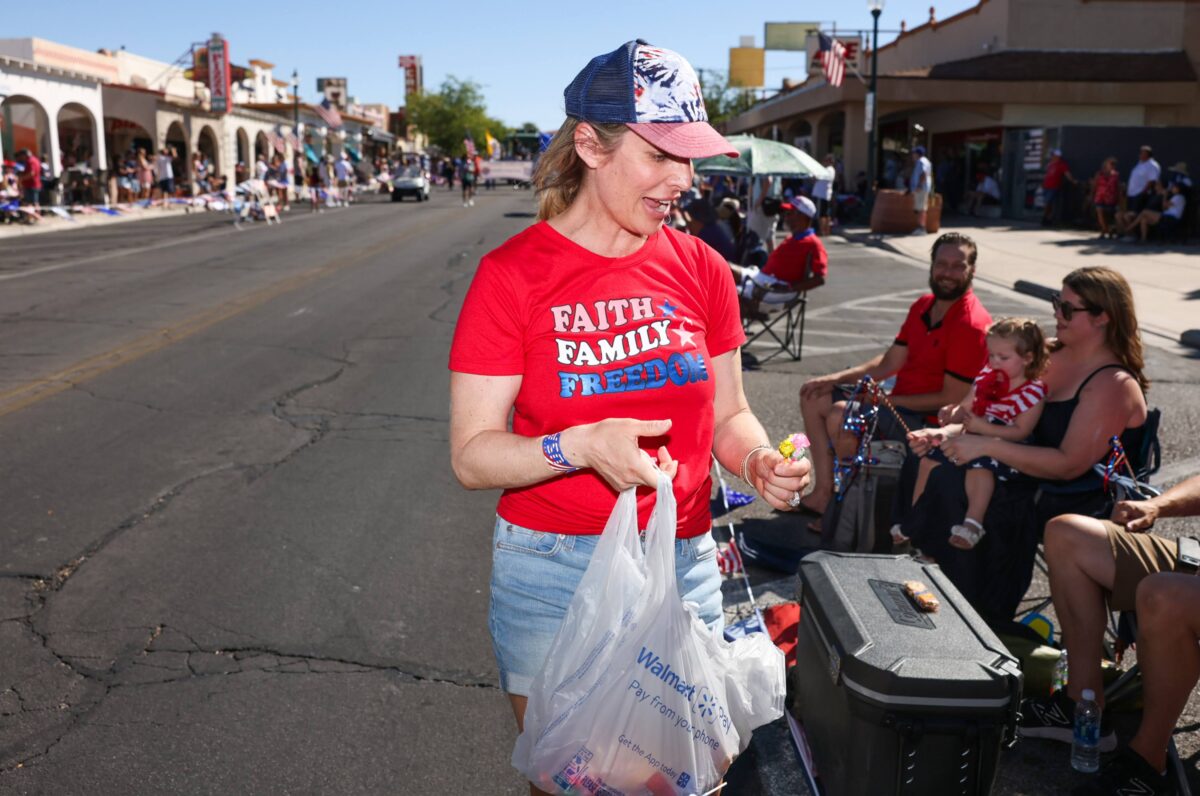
{"x":663,"y":671}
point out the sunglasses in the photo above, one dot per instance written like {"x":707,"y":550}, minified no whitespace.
{"x":1068,"y":310}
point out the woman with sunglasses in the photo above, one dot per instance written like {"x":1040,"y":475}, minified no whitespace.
{"x":1095,"y":391}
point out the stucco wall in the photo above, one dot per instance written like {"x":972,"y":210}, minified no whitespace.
{"x":1106,"y":25}
{"x":968,"y":36}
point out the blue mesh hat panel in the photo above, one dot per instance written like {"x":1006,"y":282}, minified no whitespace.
{"x":603,"y":91}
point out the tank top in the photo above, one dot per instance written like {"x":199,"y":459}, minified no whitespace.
{"x":1052,"y":428}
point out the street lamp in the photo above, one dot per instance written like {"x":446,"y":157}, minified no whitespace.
{"x":296,"y":105}
{"x":876,"y":8}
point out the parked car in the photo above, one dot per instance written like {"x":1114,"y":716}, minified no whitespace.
{"x":411,"y":181}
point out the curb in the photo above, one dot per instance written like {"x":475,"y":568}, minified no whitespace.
{"x":1034,"y":289}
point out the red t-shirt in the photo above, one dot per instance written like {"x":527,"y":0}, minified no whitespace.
{"x":31,"y":178}
{"x":791,"y":261}
{"x":596,"y":337}
{"x":1054,"y":174}
{"x":956,"y":346}
{"x":1106,"y":188}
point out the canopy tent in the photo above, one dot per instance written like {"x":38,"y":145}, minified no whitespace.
{"x":763,"y":157}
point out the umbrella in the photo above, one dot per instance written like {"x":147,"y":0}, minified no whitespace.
{"x":762,"y":157}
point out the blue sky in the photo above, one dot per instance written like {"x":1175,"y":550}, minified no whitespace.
{"x":523,"y":60}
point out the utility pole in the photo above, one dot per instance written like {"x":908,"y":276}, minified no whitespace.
{"x":876,"y":8}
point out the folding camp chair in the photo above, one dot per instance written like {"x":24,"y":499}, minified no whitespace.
{"x":781,"y":322}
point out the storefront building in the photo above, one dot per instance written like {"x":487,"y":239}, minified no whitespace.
{"x":995,"y":88}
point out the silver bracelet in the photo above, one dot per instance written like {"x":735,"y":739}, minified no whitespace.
{"x":746,"y":460}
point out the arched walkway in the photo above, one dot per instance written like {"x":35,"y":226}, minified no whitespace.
{"x":799,"y":134}
{"x":206,"y":144}
{"x":177,"y":139}
{"x":261,"y":147}
{"x":830,"y":134}
{"x":25,"y":125}
{"x":243,"y":154}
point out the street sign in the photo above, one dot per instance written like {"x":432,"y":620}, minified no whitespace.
{"x":414,"y":74}
{"x":218,"y":74}
{"x":788,"y":35}
{"x":746,"y":67}
{"x":869,"y":112}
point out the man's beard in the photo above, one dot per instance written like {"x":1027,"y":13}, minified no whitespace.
{"x":949,"y":293}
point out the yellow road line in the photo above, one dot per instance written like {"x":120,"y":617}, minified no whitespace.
{"x":17,"y":398}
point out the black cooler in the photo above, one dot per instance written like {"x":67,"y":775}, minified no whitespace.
{"x":893,"y":700}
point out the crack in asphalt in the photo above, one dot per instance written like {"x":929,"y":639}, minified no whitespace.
{"x":46,"y":587}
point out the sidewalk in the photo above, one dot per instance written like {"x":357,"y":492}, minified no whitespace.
{"x":1165,"y":280}
{"x":53,"y":223}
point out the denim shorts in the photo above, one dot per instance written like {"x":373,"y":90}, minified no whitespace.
{"x":534,"y":575}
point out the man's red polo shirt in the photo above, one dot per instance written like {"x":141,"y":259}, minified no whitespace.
{"x":956,"y":346}
{"x":790,"y":262}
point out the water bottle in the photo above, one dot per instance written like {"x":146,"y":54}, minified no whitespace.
{"x":1060,"y":673}
{"x":1085,"y":751}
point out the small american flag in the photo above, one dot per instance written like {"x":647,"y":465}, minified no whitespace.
{"x":328,"y":113}
{"x":729,"y":558}
{"x":469,"y":143}
{"x":278,"y":142}
{"x":833,"y":55}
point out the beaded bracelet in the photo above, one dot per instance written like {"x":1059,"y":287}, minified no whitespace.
{"x":553,"y":453}
{"x":746,"y":460}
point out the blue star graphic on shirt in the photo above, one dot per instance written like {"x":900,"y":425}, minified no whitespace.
{"x":667,"y":309}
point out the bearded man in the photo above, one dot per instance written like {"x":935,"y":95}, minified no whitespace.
{"x":939,"y":350}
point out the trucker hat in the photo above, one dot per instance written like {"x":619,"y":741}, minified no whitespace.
{"x":652,"y":90}
{"x":801,"y":204}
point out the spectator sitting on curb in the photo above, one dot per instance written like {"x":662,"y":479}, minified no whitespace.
{"x":935,"y":357}
{"x":1093,"y":561}
{"x":798,"y":265}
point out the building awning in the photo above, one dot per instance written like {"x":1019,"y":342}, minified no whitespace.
{"x":376,"y":134}
{"x":312,"y":156}
{"x":354,"y":155}
{"x":1055,"y":65}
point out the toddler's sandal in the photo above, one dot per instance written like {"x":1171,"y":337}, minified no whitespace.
{"x":967,"y":534}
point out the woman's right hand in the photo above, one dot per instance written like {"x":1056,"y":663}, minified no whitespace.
{"x":610,"y":447}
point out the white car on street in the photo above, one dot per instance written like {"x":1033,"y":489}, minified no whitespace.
{"x":411,"y":181}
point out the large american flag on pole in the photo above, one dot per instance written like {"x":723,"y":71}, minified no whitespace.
{"x":833,"y":56}
{"x":328,"y":113}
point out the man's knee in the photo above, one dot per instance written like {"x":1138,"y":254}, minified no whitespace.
{"x":1167,"y":599}
{"x":1063,"y":536}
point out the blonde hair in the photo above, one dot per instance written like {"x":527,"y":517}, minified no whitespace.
{"x":1105,"y":290}
{"x":560,"y":170}
{"x":1027,"y":338}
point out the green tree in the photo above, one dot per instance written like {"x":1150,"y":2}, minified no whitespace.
{"x":720,"y":99}
{"x":454,"y":111}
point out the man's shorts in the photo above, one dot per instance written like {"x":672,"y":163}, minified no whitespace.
{"x":920,"y":201}
{"x":1137,"y":555}
{"x":167,"y":187}
{"x":1049,"y":195}
{"x":889,"y":426}
{"x":1138,"y":203}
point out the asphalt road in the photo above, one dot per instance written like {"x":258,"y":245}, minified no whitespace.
{"x":233,"y":557}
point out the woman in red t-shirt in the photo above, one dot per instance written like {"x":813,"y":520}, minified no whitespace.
{"x":610,"y":339}
{"x":1105,"y":187}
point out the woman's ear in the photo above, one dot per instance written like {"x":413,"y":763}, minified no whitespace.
{"x":587,"y":145}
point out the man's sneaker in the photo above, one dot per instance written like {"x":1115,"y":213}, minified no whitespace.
{"x":1054,"y":718}
{"x":1124,"y":775}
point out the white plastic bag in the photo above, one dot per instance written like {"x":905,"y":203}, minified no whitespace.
{"x":637,"y":696}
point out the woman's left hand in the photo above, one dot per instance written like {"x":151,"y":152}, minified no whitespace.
{"x":779,"y":480}
{"x":965,"y":447}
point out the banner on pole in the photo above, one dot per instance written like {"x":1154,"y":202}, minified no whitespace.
{"x":218,"y":74}
{"x":747,"y":67}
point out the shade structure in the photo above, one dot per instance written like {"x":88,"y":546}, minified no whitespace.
{"x":762,"y":157}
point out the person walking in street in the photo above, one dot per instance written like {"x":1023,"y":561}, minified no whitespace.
{"x":613,"y":341}
{"x":468,"y":176}
{"x":920,"y":185}
{"x":1057,"y":170}
{"x":344,"y":172}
